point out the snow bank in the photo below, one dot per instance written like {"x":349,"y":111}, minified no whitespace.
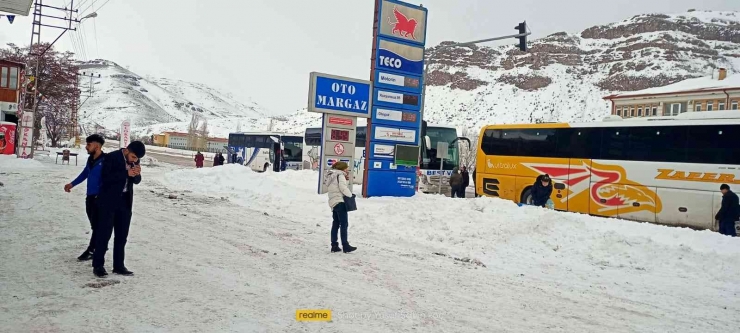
{"x":551,"y":245}
{"x":11,"y":162}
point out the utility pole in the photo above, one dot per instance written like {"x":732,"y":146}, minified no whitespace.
{"x":75,"y":128}
{"x":35,"y":50}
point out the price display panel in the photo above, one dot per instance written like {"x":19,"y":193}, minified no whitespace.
{"x":339,"y":135}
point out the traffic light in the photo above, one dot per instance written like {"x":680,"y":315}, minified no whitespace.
{"x":522,"y":27}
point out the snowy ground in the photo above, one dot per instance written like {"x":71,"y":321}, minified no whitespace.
{"x":241,"y":251}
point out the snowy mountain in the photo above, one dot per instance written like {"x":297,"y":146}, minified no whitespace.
{"x":563,"y":76}
{"x":119,"y":94}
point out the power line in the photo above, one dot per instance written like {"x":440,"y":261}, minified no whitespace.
{"x":74,"y":45}
{"x":84,"y":39}
{"x":80,"y":4}
{"x":95,"y":31}
{"x":83,"y":52}
{"x":90,"y":6}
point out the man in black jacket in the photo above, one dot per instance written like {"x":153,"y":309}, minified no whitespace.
{"x":120,"y":172}
{"x":729,"y":213}
{"x":466,"y":181}
{"x":541,"y":190}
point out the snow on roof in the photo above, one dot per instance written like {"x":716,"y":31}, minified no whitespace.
{"x":18,"y":7}
{"x":690,"y":85}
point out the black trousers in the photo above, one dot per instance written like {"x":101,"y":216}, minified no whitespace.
{"x":91,"y":208}
{"x":114,"y":217}
{"x":457,"y":191}
{"x":340,"y":222}
{"x":727,"y":227}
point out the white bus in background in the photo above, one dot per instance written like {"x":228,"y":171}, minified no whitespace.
{"x":261,"y":151}
{"x":429,"y":173}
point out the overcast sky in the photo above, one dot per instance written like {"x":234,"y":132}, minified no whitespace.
{"x":265,"y":49}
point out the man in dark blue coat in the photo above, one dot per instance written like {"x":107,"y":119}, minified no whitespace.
{"x":91,"y":172}
{"x":120,"y":172}
{"x":541,"y":190}
{"x":729,"y":213}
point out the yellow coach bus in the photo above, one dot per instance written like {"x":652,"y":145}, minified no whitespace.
{"x":665,"y":170}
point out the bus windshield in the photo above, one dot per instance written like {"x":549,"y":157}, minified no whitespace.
{"x":293,"y":146}
{"x":429,"y":154}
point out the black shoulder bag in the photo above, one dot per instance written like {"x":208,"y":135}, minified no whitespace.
{"x":349,"y":202}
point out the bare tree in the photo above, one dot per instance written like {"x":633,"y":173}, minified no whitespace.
{"x":468,"y":155}
{"x":197,"y":133}
{"x":56,"y":78}
{"x":203,"y":135}
{"x":57,"y":121}
{"x":193,"y":132}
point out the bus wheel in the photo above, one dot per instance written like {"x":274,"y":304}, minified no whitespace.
{"x":267,"y":165}
{"x":526,"y":196}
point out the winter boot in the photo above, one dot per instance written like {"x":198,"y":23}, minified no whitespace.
{"x":87,"y":255}
{"x":100,"y":272}
{"x":335,"y":248}
{"x":122,"y":271}
{"x":349,"y":248}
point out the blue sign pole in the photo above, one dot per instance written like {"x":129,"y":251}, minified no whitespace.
{"x":396,"y":114}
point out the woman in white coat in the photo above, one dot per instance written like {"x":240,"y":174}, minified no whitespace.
{"x":336,"y":185}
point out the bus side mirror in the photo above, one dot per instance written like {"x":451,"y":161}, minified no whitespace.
{"x":427,"y":142}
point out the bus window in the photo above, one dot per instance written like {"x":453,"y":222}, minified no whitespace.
{"x":614,"y":143}
{"x":538,"y":142}
{"x":293,"y":148}
{"x":501,"y":142}
{"x":713,"y":144}
{"x":313,"y":136}
{"x":579,"y":142}
{"x":361,"y":136}
{"x":659,"y":144}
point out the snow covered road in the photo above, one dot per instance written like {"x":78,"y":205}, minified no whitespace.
{"x":238,"y":251}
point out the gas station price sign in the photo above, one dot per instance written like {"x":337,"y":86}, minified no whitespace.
{"x":339,"y":135}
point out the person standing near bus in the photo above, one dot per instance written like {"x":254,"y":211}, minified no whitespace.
{"x":541,"y":190}
{"x":729,"y":213}
{"x":199,"y":160}
{"x":456,"y":183}
{"x":466,"y":181}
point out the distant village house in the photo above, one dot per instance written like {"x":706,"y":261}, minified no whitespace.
{"x":713,"y":93}
{"x":178,"y":140}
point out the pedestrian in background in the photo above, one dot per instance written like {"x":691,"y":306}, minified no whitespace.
{"x":466,"y":181}
{"x":456,"y":182}
{"x":221,"y":159}
{"x":121,"y":170}
{"x":91,"y":173}
{"x":336,"y":185}
{"x":199,"y":160}
{"x":729,"y":212}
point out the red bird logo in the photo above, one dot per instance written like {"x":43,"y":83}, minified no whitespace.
{"x":403,"y":25}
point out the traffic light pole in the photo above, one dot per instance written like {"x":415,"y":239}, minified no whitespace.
{"x":426,"y":67}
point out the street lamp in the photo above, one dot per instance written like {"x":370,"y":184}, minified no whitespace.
{"x":91,"y":15}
